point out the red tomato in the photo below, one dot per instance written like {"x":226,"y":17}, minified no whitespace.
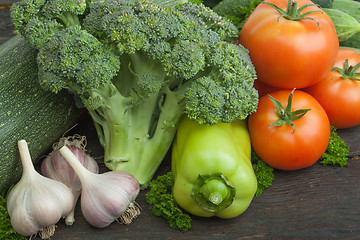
{"x":340,"y":95}
{"x":286,"y":53}
{"x":279,"y":146}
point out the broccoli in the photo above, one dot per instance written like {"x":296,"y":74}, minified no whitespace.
{"x":38,"y":20}
{"x":137,"y":67}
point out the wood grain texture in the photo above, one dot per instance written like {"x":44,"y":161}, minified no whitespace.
{"x":314,"y":203}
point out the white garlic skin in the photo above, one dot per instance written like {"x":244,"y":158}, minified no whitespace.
{"x":107,"y":197}
{"x":38,"y":204}
{"x":35,"y":201}
{"x":56,"y":167}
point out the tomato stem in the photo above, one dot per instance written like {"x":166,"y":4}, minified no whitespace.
{"x":348,"y":72}
{"x":293,"y":13}
{"x":286,"y":116}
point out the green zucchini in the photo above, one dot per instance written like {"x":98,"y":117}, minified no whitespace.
{"x":27,"y":111}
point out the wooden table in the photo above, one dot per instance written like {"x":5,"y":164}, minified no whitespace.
{"x":314,"y":203}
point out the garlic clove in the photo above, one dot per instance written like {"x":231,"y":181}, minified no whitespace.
{"x":22,"y":223}
{"x":105,"y":197}
{"x":36,"y":202}
{"x":56,"y":167}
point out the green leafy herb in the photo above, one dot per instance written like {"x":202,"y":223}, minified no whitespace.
{"x":263,"y":172}
{"x":246,"y":11}
{"x":161,"y":198}
{"x":337,"y":151}
{"x":236,"y":11}
{"x":7,"y":232}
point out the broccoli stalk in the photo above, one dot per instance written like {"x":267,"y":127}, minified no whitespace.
{"x":138,"y":67}
{"x":136,"y":140}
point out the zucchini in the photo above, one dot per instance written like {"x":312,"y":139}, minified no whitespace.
{"x":27,"y":111}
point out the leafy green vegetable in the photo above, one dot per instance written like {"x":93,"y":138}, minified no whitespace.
{"x":264,"y":173}
{"x":7,"y":232}
{"x":244,"y":12}
{"x":337,"y":151}
{"x":237,"y":12}
{"x":138,"y":67}
{"x":161,"y":198}
{"x":209,"y":3}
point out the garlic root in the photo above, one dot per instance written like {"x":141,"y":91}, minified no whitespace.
{"x":130,"y":214}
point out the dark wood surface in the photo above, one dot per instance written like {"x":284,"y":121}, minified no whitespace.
{"x":314,"y":203}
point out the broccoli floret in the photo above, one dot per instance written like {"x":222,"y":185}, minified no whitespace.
{"x":75,"y":59}
{"x":138,"y":67}
{"x":39,"y":20}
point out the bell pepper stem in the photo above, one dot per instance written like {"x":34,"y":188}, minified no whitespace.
{"x":213,"y":192}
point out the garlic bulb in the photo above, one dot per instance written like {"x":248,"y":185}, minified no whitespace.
{"x":56,"y":167}
{"x":105,"y":197}
{"x":36,"y":203}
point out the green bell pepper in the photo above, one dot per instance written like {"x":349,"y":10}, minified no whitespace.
{"x":213,"y":174}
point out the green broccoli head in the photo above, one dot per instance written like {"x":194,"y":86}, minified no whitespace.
{"x":76,"y":60}
{"x":39,"y":20}
{"x":190,"y":42}
{"x":236,"y":73}
{"x":202,"y":91}
{"x":227,"y":91}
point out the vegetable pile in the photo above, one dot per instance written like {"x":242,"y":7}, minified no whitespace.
{"x":233,"y":91}
{"x":137,"y":67}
